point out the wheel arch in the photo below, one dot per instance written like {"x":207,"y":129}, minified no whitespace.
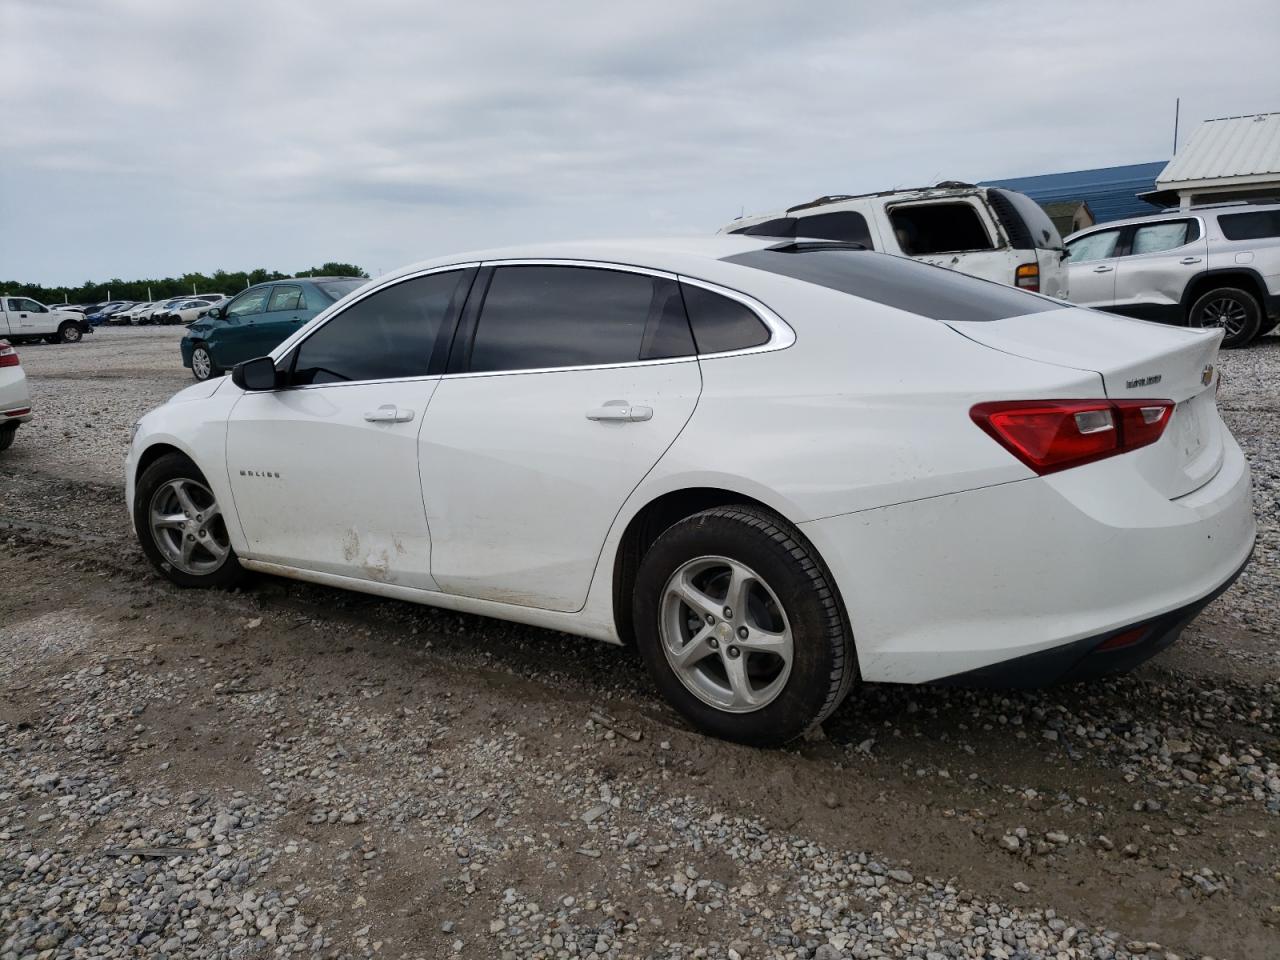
{"x":659,"y":513}
{"x":1244,"y":277}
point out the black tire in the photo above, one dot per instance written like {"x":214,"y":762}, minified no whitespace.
{"x":824,"y":664}
{"x":1234,"y":300}
{"x":170,"y":467}
{"x":213,"y":370}
{"x":70,"y":332}
{"x":6,"y":436}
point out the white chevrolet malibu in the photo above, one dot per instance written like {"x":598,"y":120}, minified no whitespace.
{"x":776,"y":467}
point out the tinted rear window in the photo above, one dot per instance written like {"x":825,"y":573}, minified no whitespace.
{"x":1256,"y":225}
{"x":896,"y":282}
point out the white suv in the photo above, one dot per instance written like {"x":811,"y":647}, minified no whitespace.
{"x":986,"y":232}
{"x":1204,"y":267}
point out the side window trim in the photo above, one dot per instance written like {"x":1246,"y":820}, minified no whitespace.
{"x":287,"y":357}
{"x":781,"y":335}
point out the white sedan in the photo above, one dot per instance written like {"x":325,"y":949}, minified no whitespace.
{"x":15,"y":398}
{"x":776,"y":467}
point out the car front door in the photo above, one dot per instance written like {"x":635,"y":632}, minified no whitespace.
{"x":235,"y":336}
{"x":1162,"y":259}
{"x":285,"y":312}
{"x":1091,"y":268}
{"x":324,"y":469}
{"x":571,"y":381}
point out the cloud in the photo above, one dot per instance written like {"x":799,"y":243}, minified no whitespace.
{"x":151,"y":137}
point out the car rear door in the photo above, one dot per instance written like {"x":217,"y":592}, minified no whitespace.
{"x":324,"y":470}
{"x":1160,"y":260}
{"x":1091,"y":268}
{"x":956,"y":232}
{"x":568,"y":382}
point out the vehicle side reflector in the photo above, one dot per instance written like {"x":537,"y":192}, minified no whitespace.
{"x":1052,"y":435}
{"x":1121,"y":640}
{"x":1027,"y":277}
{"x":20,"y":412}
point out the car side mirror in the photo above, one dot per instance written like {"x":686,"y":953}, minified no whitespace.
{"x":256,"y":374}
{"x":214,"y":313}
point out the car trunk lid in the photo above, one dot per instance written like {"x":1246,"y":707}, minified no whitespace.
{"x":1136,"y":360}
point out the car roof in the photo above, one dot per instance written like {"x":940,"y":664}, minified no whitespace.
{"x":1176,"y":213}
{"x":692,"y":255}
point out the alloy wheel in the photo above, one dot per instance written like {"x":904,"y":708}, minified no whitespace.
{"x":725,"y":634}
{"x":1227,"y":313}
{"x":201,"y":365}
{"x":188,"y":528}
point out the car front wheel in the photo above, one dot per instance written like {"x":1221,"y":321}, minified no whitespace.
{"x":1235,"y":311}
{"x":202,"y":365}
{"x":69,"y":333}
{"x":741,"y":627}
{"x":181,"y":527}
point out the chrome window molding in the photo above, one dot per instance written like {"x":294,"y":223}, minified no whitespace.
{"x":781,"y":335}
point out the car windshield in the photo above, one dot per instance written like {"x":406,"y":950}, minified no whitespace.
{"x":908,"y":285}
{"x":337,"y":289}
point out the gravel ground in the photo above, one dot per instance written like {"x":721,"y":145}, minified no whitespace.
{"x":293,"y":770}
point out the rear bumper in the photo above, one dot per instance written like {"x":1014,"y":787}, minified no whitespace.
{"x":1048,"y":567}
{"x":1091,"y":657}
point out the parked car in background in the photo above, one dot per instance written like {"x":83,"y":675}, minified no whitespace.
{"x":106,"y":311}
{"x":153,"y":313}
{"x":986,"y":232}
{"x":24,"y":319}
{"x":130,"y":315}
{"x":1203,"y":267}
{"x":15,"y":399}
{"x":66,"y":306}
{"x":186,"y":311}
{"x":253,"y":322}
{"x":119,"y":317}
{"x":774,"y":466}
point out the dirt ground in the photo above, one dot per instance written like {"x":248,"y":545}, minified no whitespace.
{"x":294,"y":770}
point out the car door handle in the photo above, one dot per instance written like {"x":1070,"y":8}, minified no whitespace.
{"x":389,"y":413}
{"x":1189,"y":260}
{"x":1103,"y":269}
{"x":621,"y":411}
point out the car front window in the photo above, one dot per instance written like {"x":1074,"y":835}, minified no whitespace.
{"x":1096,"y":246}
{"x":248,"y":303}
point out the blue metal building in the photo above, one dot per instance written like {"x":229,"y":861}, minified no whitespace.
{"x":1111,"y":192}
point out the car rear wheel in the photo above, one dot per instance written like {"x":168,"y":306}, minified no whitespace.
{"x":181,"y":527}
{"x":69,"y":332}
{"x":741,"y":627}
{"x":202,"y":365}
{"x":6,"y":436}
{"x":1233,"y":310}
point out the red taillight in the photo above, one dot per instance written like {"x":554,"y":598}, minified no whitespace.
{"x":1051,"y":435}
{"x":1027,"y":277}
{"x":8,"y":355}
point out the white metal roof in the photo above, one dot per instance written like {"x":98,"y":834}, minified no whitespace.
{"x":1228,"y":150}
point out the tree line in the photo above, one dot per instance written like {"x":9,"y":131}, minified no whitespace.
{"x":220,"y":281}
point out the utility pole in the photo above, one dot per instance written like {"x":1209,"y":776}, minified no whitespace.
{"x":1177,"y":109}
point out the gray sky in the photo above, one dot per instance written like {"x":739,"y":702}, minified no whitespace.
{"x":153,"y":137}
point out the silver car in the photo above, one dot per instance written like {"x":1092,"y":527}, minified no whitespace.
{"x":1203,"y":267}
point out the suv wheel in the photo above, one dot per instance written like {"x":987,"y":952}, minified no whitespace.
{"x":202,"y":365}
{"x":1235,"y":311}
{"x":181,"y":527}
{"x":740,"y":626}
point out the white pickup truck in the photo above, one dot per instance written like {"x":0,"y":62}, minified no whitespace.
{"x":22,"y":318}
